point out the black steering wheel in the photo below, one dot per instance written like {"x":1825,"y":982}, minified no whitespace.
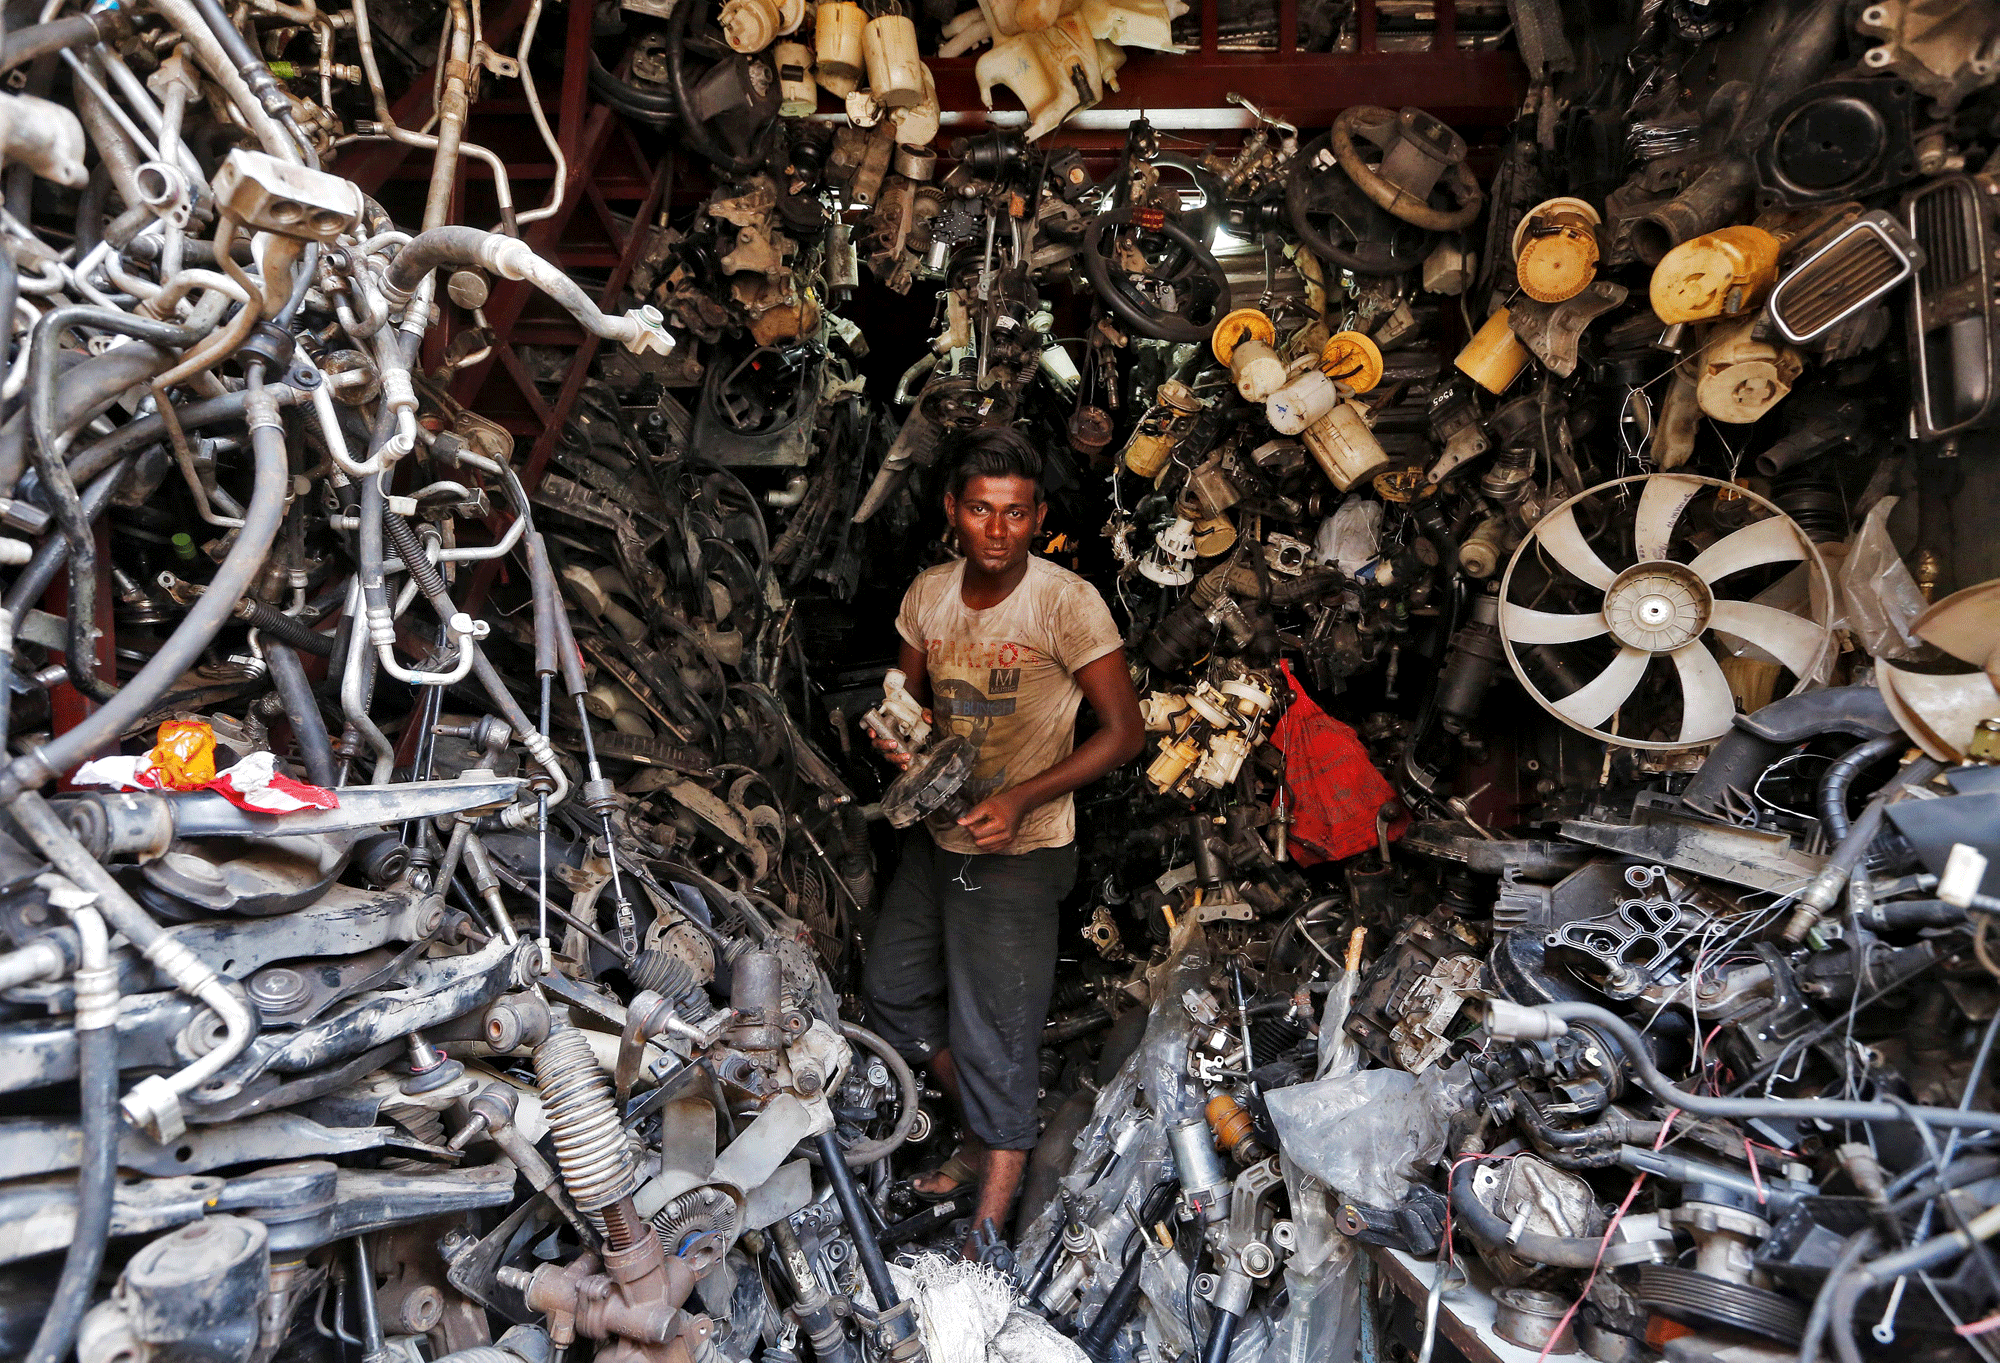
{"x":1176,"y":261}
{"x":1340,"y":224}
{"x":729,"y":109}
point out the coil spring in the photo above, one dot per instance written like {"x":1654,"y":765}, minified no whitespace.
{"x":672,"y":979}
{"x":592,"y":1149}
{"x":426,"y":1124}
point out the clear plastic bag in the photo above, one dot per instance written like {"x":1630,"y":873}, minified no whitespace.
{"x":1366,"y":1135}
{"x":1126,"y":1134}
{"x":1879,"y":595}
{"x":1350,"y":539}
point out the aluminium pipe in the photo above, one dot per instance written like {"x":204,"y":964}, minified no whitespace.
{"x":197,"y":630}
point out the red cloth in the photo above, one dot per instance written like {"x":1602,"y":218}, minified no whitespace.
{"x":1334,"y":790}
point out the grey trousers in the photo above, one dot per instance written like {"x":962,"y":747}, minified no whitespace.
{"x":964,"y":957}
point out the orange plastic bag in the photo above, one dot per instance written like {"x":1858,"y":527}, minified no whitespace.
{"x":183,"y":756}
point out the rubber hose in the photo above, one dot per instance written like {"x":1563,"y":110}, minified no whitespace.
{"x":1220,"y":1336}
{"x":1838,"y":778}
{"x":53,"y":551}
{"x":1932,"y":1253}
{"x":233,"y":42}
{"x":1124,"y":1037}
{"x":1170,"y":328}
{"x":873,"y":1267}
{"x":867,"y":1152}
{"x":90,"y":201}
{"x":41,"y":40}
{"x":658,"y":110}
{"x":1117,"y":1309}
{"x":47,"y":439}
{"x":1802,"y":1109}
{"x":1961,"y":1173}
{"x":1858,"y":1246}
{"x":288,"y":674}
{"x":1904,"y":914}
{"x":430,"y":249}
{"x":197,"y":629}
{"x":288,"y":629}
{"x":96,"y":1191}
{"x":10,"y":297}
{"x":82,"y":390}
{"x":1486,"y":1226}
{"x":1825,"y":889}
{"x":1053,"y":1155}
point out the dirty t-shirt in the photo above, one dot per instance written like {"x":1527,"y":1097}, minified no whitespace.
{"x":1005,"y":679}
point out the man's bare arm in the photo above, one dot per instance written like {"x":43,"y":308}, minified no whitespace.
{"x":1121,"y":733}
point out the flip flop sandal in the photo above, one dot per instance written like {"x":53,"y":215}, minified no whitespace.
{"x":960,"y":1170}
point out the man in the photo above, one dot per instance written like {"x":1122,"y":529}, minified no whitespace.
{"x":1003,"y":646}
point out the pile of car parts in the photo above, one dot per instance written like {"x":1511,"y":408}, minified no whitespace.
{"x":1552,"y":909}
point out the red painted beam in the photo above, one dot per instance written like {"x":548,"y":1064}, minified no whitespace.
{"x":1480,"y":89}
{"x":370,"y":164}
{"x":557,"y":413}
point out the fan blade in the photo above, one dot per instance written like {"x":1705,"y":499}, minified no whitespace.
{"x":1768,"y":541}
{"x":1707,"y":706}
{"x":1591,"y":705}
{"x":1523,"y":626}
{"x":1563,"y":538}
{"x":1965,"y":624}
{"x":1907,"y":720}
{"x":1660,"y":505}
{"x":1797,"y":643}
{"x":1945,"y":709}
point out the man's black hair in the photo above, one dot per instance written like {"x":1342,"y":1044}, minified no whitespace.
{"x":992,"y":452}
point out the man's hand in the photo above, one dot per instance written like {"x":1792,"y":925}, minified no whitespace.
{"x":994,"y":821}
{"x":899,"y":760}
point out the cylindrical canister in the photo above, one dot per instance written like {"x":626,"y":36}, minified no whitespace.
{"x":837,"y":34}
{"x":797,"y":95}
{"x":895,"y":72}
{"x":1307,"y":397}
{"x":749,"y":25}
{"x":1495,"y":356}
{"x":1345,"y":447}
{"x":1244,"y":341}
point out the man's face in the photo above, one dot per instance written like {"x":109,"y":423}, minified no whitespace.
{"x":996,"y":519}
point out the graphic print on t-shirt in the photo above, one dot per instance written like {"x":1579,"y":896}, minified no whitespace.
{"x":1004,"y":678}
{"x":974,"y":716}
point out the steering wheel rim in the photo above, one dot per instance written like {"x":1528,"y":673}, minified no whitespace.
{"x":1145,"y":321}
{"x":693,"y":130}
{"x":1202,"y":222}
{"x":1299,"y":209}
{"x":1377,"y":126}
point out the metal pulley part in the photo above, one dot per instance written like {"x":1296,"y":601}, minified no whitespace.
{"x":932,"y":784}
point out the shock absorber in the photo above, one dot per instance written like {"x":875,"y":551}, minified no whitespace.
{"x":592,"y":1150}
